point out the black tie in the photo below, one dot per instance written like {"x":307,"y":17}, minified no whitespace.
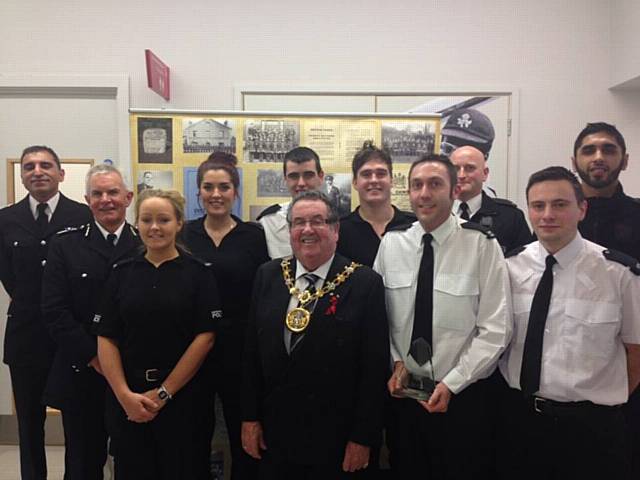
{"x":111,"y":239}
{"x":423,"y":314}
{"x":42,"y":219}
{"x":532,"y":355}
{"x":465,"y":211}
{"x":311,"y":279}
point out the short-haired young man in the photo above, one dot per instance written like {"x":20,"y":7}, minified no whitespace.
{"x":302,"y":171}
{"x":575,"y":354}
{"x":446,"y":284}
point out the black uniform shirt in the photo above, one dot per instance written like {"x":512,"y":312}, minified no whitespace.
{"x":358,"y":240}
{"x":155,"y":313}
{"x":613,"y":223}
{"x":234,"y":262}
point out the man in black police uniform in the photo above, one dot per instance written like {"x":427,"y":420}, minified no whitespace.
{"x":501,"y":216}
{"x":314,"y":385}
{"x":612,"y":219}
{"x":79,"y":263}
{"x":361,"y":230}
{"x":25,"y":231}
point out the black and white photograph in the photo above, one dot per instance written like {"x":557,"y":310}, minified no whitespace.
{"x":269,"y":140}
{"x":207,"y":135}
{"x":407,"y":141}
{"x":337,"y":186}
{"x":155,"y":140}
{"x":400,"y":191}
{"x":271,"y":184}
{"x":148,"y":179}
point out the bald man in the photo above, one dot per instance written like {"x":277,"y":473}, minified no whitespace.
{"x":501,"y":216}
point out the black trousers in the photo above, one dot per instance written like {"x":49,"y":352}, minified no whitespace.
{"x":28,"y":383}
{"x":449,"y":445}
{"x":162,"y":449}
{"x":85,"y":433}
{"x":271,"y":468}
{"x":585,"y":442}
{"x":221,"y":374}
{"x":631,"y":411}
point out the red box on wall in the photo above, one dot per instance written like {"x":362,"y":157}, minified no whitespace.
{"x":158,"y":75}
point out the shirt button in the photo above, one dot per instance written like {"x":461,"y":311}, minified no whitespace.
{"x":44,"y":262}
{"x":43,"y":242}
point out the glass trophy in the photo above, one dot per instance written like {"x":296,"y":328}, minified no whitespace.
{"x":417,"y":377}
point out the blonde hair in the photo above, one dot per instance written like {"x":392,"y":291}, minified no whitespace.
{"x":176,"y":200}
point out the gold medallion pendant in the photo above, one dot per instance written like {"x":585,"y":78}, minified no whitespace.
{"x":298,"y":319}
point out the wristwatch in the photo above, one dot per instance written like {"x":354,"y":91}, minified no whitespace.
{"x":164,"y":394}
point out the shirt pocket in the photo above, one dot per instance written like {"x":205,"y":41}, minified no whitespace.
{"x":456,"y":298}
{"x":597,"y":326}
{"x":521,"y":311}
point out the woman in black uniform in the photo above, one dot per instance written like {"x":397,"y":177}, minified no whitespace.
{"x":155,"y":327}
{"x":236,"y":249}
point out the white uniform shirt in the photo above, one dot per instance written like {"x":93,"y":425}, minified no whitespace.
{"x":52,"y":203}
{"x":471,"y":301}
{"x":474,"y":205}
{"x":276,"y":231}
{"x":594,"y":308}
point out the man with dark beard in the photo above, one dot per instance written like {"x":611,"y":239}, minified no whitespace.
{"x":612,"y":220}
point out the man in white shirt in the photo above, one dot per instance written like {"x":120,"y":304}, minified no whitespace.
{"x":575,"y":354}
{"x":302,"y":171}
{"x":461,"y":307}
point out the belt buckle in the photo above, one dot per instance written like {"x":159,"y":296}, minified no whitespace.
{"x":149,"y":375}
{"x":537,"y":404}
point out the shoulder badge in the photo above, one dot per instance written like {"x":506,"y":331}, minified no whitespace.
{"x":400,"y":227}
{"x":269,"y":210}
{"x":515,"y":251}
{"x":481,"y":228}
{"x":504,"y":201}
{"x":72,"y":229}
{"x":123,"y":262}
{"x":624,"y":259}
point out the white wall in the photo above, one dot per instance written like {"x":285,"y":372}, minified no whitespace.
{"x":555,"y":53}
{"x":625,"y":41}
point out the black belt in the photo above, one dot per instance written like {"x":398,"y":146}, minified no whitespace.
{"x":150,"y":375}
{"x":557,"y":409}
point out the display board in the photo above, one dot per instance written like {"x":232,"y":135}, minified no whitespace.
{"x":167,"y":148}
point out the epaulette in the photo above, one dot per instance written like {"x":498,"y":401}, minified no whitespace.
{"x":505,"y":202}
{"x":400,"y":227}
{"x":515,"y":251}
{"x":255,"y":225}
{"x":269,"y":210}
{"x":481,"y":228}
{"x":72,"y":229}
{"x":410,"y":216}
{"x":123,"y":262}
{"x":624,"y":259}
{"x":134,"y":230}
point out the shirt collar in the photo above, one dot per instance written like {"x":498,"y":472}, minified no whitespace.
{"x":322,"y":271}
{"x":474,"y":205}
{"x":52,"y":203}
{"x":117,"y":233}
{"x":440,"y":234}
{"x":566,"y":254}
